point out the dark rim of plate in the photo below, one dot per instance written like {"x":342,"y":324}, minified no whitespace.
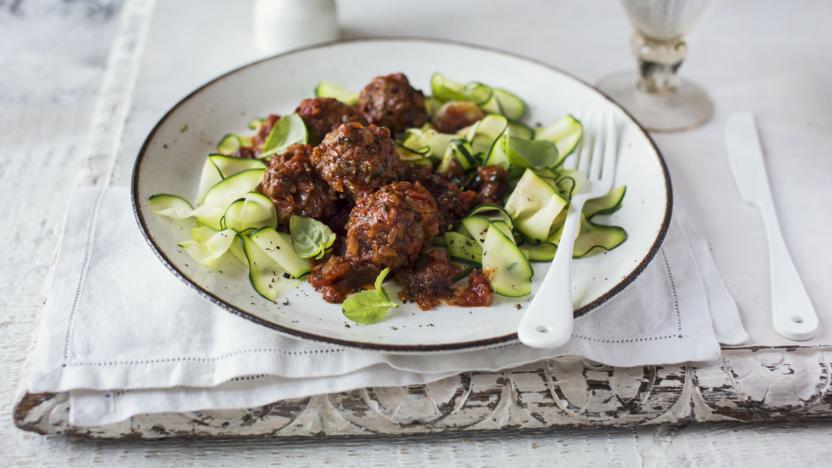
{"x":377,"y":346}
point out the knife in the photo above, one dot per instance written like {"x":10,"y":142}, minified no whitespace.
{"x":792,"y":313}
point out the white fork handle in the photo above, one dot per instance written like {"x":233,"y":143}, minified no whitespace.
{"x":792,"y":313}
{"x":549,"y":323}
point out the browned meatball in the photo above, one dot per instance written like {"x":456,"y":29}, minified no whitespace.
{"x":336,"y":277}
{"x":356,"y":160}
{"x":338,"y":221}
{"x":414,"y":172}
{"x":322,"y":115}
{"x":391,"y":102}
{"x":454,"y":171}
{"x":452,"y":201}
{"x":429,"y":280}
{"x":492,"y":184}
{"x":456,"y":115}
{"x":294,"y":186}
{"x":389,"y":227}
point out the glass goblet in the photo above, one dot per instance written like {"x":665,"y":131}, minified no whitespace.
{"x":657,"y":97}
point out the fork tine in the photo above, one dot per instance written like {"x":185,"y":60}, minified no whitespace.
{"x":610,"y":155}
{"x":587,"y":145}
{"x":589,"y":169}
{"x":601,"y":144}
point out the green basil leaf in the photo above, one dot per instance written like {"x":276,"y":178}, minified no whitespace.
{"x":310,"y":237}
{"x":380,"y":282}
{"x":535,"y":154}
{"x":286,"y":132}
{"x":367,"y":307}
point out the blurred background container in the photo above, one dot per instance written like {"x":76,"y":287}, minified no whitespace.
{"x":281,"y":25}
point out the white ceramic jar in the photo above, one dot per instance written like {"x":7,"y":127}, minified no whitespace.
{"x":281,"y":25}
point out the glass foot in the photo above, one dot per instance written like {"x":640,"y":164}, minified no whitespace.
{"x":684,"y":107}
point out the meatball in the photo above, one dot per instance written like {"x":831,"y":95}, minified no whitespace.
{"x":356,"y":160}
{"x":294,"y":186}
{"x":456,"y":115}
{"x":391,"y":102}
{"x":336,"y":277}
{"x":414,"y":172}
{"x":389,"y":227}
{"x":452,"y":202}
{"x":492,"y":184}
{"x":322,"y":115}
{"x":454,"y":171}
{"x":338,"y":221}
{"x":429,"y":280}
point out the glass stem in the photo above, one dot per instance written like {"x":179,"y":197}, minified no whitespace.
{"x":658,"y":62}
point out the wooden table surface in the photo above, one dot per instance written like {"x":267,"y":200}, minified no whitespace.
{"x":764,"y":55}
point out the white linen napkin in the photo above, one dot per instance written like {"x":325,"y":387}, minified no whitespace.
{"x":124,"y":337}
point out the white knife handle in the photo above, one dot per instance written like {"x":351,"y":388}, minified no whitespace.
{"x":791,"y":310}
{"x":793,"y":315}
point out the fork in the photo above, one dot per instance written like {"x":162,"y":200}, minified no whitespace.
{"x":547,"y":322}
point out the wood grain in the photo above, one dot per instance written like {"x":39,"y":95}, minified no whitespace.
{"x":747,"y":385}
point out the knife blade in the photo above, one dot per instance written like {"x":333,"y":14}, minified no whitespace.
{"x":792,"y":313}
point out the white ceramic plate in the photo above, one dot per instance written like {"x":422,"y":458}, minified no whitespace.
{"x":171,"y":159}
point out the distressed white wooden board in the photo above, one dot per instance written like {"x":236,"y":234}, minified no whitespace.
{"x":33,"y":97}
{"x":748,"y":385}
{"x":727,"y":445}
